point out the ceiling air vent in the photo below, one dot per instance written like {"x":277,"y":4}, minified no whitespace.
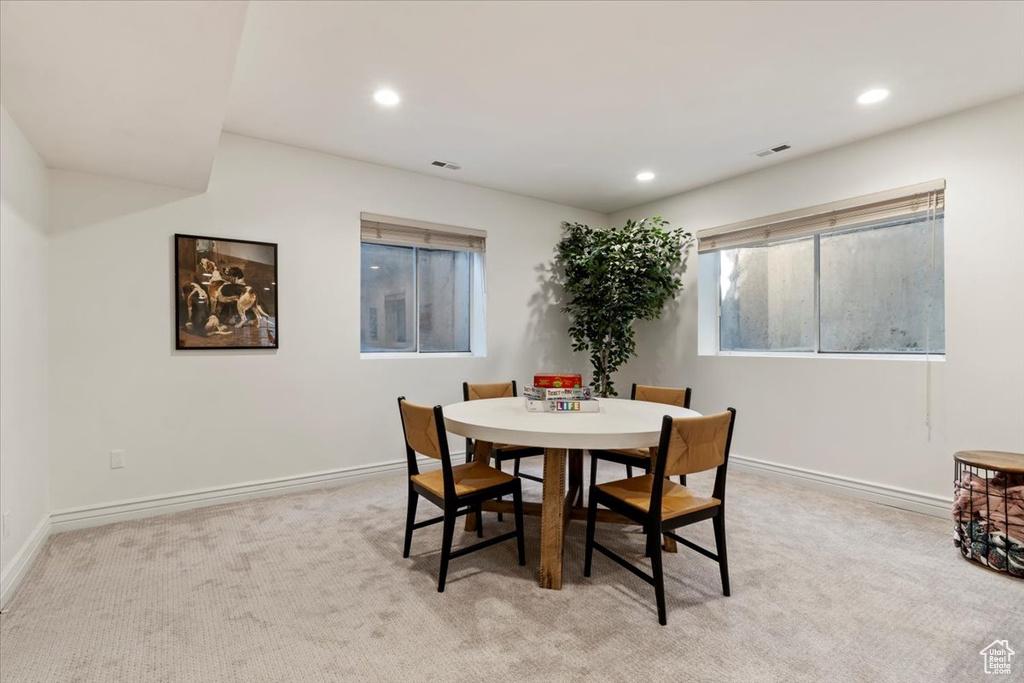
{"x":446,"y":164}
{"x":771,"y":150}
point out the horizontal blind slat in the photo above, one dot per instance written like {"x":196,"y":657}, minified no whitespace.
{"x":407,"y":233}
{"x":844,"y":215}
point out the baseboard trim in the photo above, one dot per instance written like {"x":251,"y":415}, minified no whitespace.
{"x":23,"y":560}
{"x":87,"y":516}
{"x":893,"y":496}
{"x":151,"y":506}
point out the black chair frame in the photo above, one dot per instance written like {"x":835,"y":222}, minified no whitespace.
{"x":500,"y":455}
{"x":611,"y":456}
{"x":455,"y":506}
{"x":654,"y":527}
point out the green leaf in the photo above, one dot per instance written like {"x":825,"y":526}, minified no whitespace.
{"x":612,"y":278}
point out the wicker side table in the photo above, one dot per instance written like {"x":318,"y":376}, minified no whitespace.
{"x":988,"y":508}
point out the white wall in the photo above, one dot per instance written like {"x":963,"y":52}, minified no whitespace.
{"x":191,"y":420}
{"x":24,"y":484}
{"x":865,"y":418}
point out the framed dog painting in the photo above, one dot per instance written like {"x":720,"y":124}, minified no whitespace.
{"x":226,"y":293}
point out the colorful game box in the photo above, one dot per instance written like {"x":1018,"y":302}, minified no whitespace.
{"x":566,"y":406}
{"x":544,"y":394}
{"x":557,"y":381}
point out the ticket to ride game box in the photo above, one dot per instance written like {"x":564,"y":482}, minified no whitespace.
{"x":557,"y":381}
{"x":564,"y":394}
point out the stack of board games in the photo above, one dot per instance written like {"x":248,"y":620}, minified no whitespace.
{"x":560,"y":400}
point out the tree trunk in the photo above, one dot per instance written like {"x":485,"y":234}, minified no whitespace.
{"x":603,"y":386}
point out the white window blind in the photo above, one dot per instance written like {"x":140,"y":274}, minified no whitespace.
{"x":906,"y":202}
{"x":404,"y":232}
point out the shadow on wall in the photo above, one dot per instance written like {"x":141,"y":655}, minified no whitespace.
{"x":660,"y":350}
{"x":547,"y":329}
{"x":661,"y":344}
{"x":78,"y":200}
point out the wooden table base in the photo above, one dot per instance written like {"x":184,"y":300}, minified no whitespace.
{"x":557,"y":508}
{"x":553,"y":519}
{"x":575,"y":512}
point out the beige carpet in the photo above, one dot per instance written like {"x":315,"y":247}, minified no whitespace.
{"x":312,"y":587}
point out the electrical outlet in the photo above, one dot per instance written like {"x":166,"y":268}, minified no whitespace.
{"x":116,"y":459}
{"x":6,"y":531}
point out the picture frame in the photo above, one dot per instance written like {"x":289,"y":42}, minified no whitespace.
{"x":225,"y":293}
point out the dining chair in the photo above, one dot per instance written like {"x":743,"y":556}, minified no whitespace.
{"x":688,"y":445}
{"x":456,"y":490}
{"x":501,"y":452}
{"x":641,"y":457}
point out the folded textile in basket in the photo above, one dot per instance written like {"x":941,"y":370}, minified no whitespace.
{"x":991,"y":497}
{"x":979,"y":541}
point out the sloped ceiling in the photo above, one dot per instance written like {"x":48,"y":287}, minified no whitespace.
{"x":133,"y":90}
{"x":565,"y":101}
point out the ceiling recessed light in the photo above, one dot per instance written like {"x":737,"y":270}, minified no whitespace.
{"x":388,"y":98}
{"x":374,"y":267}
{"x":645,"y":176}
{"x":873,"y":96}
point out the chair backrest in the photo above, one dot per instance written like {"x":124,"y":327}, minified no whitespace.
{"x":665,"y":395}
{"x":424,"y":433}
{"x":473,"y":392}
{"x":693,"y":444}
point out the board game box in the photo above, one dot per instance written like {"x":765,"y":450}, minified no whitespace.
{"x":557,"y":381}
{"x":563,"y":406}
{"x":543,"y":394}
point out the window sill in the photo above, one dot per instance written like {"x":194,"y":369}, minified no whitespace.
{"x":915,"y":357}
{"x":401,"y":355}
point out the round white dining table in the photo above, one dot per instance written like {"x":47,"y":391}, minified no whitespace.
{"x":619,"y":424}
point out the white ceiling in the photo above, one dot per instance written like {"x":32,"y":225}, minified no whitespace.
{"x":135,"y":90}
{"x":565,"y":101}
{"x":568,"y":101}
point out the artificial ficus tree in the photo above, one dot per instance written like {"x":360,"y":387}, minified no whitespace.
{"x":612,"y":278}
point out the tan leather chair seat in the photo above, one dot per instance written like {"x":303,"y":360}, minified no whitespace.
{"x":469,"y":478}
{"x":473,"y":483}
{"x":688,"y":445}
{"x":676,"y":499}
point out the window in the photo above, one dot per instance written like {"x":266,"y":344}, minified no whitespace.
{"x":428,"y":280}
{"x":862,"y":276}
{"x":445,"y":292}
{"x":881,"y":289}
{"x":767,"y":297}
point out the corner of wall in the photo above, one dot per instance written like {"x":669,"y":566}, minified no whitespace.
{"x":17,"y":568}
{"x":24,"y":350}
